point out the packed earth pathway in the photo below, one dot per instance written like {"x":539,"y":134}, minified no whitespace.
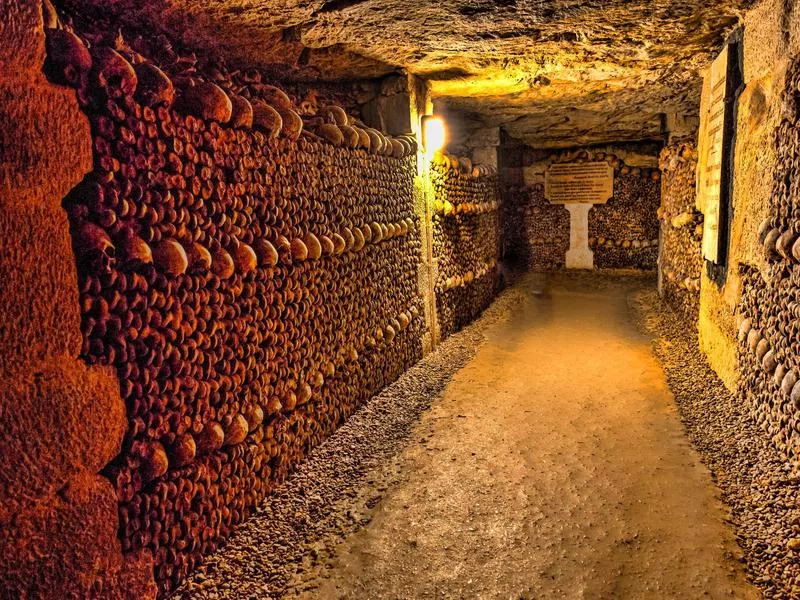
{"x":554,"y":465}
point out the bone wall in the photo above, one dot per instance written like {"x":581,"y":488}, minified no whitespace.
{"x":536,"y":232}
{"x":681,"y":260}
{"x":623,"y":233}
{"x":235,"y":272}
{"x":466,"y":240}
{"x":247,"y":303}
{"x":769,"y":356}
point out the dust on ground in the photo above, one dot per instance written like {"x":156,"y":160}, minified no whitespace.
{"x":537,"y":454}
{"x":554,"y":465}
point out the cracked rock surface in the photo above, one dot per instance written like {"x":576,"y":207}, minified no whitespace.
{"x":561,"y":73}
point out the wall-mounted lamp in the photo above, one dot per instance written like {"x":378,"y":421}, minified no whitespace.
{"x":433,"y":134}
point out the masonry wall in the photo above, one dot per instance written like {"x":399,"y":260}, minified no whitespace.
{"x":204,"y":276}
{"x":680,"y":258}
{"x":747,"y":324}
{"x":466,"y":240}
{"x":768,"y":353}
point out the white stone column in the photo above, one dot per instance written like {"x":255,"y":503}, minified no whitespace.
{"x":579,"y":256}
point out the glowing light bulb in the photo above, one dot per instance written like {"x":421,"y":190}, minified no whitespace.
{"x":433,"y":134}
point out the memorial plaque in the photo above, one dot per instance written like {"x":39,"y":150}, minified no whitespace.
{"x":579,"y":183}
{"x":709,"y":175}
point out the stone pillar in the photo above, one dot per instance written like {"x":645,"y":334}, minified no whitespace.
{"x":392,"y":110}
{"x":61,"y":421}
{"x":427,"y":273}
{"x":579,"y":256}
{"x":681,"y":127}
{"x":417,"y":103}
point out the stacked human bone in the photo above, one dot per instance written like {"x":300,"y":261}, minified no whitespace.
{"x":681,"y":229}
{"x":466,"y":239}
{"x":536,"y":232}
{"x":623,"y":232}
{"x":769,"y":319}
{"x":251,"y":274}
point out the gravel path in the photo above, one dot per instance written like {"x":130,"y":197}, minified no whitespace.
{"x":336,"y":490}
{"x":761,"y":489}
{"x":536,"y":454}
{"x":554,"y":465}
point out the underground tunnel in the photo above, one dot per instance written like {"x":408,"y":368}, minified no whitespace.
{"x":377,"y":299}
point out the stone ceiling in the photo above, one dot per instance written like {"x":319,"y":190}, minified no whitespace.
{"x":552,"y":72}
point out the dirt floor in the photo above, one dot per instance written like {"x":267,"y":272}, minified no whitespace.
{"x":554,"y":465}
{"x":537,"y":454}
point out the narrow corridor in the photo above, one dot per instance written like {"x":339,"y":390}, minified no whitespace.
{"x":554,"y":465}
{"x":349,"y":299}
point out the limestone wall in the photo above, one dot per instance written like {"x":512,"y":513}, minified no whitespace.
{"x":768,"y":352}
{"x":771,"y":39}
{"x":747,"y":326}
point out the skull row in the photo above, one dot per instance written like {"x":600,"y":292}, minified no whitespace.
{"x":681,"y":229}
{"x":251,"y":278}
{"x":466,"y":239}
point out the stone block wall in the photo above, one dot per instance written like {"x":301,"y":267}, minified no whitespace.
{"x":466,"y":240}
{"x":681,"y":259}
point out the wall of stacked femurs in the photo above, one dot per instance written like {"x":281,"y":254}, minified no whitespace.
{"x":536,"y":231}
{"x":681,"y":260}
{"x":248,"y":268}
{"x":623,"y":232}
{"x":768,"y":353}
{"x":466,"y":240}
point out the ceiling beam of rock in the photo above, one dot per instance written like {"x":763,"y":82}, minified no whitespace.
{"x":552,"y":72}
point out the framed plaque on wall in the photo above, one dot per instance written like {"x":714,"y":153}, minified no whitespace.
{"x":722,"y":87}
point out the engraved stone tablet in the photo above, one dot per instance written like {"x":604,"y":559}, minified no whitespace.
{"x":581,"y":183}
{"x":579,"y":186}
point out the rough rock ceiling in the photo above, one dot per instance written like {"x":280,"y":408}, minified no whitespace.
{"x":552,"y":72}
